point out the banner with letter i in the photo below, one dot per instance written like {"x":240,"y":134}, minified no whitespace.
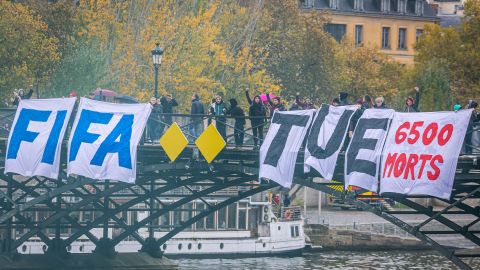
{"x":36,"y":136}
{"x":421,"y":153}
{"x":104,"y":138}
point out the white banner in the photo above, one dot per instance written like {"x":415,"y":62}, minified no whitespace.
{"x":104,"y":138}
{"x":421,"y":153}
{"x":36,"y":136}
{"x":363,"y":154}
{"x":326,"y":138}
{"x":279,"y":150}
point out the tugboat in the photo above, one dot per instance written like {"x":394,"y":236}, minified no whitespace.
{"x":243,"y":229}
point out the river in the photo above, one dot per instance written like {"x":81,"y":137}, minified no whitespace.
{"x":328,"y":260}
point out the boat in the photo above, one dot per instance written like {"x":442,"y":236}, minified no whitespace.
{"x":244,"y":229}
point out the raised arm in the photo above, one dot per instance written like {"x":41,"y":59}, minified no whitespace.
{"x":269,"y":100}
{"x":174,"y":103}
{"x":249,"y":100}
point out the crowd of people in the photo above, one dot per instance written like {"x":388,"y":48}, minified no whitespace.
{"x":260,"y":109}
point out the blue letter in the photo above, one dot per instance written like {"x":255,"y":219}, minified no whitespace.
{"x":20,"y":132}
{"x":51,"y":147}
{"x":82,"y":135}
{"x":123,"y":130}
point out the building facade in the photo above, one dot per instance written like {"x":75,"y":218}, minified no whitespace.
{"x":392,"y":26}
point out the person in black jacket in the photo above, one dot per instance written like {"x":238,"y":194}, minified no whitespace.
{"x":168,"y":102}
{"x":411,"y":104}
{"x":197,"y":111}
{"x":239,"y":130}
{"x":472,"y":104}
{"x":257,"y":114}
{"x":380,"y":103}
{"x":154,"y":125}
{"x":21,"y":95}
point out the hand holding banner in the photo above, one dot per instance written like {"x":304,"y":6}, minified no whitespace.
{"x":421,"y":153}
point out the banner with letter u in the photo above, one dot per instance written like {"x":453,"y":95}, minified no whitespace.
{"x":421,"y":153}
{"x":104,"y":138}
{"x":36,"y":136}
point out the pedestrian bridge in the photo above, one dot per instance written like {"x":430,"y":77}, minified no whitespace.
{"x":61,"y":211}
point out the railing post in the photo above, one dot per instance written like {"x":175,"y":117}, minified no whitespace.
{"x":105,"y":209}
{"x":8,"y":236}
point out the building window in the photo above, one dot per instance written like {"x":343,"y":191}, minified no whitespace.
{"x":386,"y":38}
{"x":358,"y":35}
{"x":418,"y":34}
{"x":402,"y":38}
{"x":336,"y":30}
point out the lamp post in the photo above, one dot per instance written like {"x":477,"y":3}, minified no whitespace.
{"x":157,"y":54}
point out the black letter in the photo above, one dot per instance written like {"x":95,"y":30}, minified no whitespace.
{"x":334,"y":142}
{"x":286,"y":121}
{"x":359,"y":142}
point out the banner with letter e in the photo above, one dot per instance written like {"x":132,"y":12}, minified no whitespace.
{"x":421,"y":153}
{"x":279,"y":150}
{"x":36,"y":136}
{"x":104,"y":138}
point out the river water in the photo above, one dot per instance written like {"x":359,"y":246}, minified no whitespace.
{"x":329,"y":260}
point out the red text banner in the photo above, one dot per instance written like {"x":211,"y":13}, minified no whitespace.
{"x":421,"y":152}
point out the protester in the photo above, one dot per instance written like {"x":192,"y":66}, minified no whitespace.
{"x":307,"y":105}
{"x":91,"y":95}
{"x":275,"y":104}
{"x":457,"y":107}
{"x":161,"y":123}
{"x":21,"y":95}
{"x":239,"y":126}
{"x":168,"y":102}
{"x":343,"y":99}
{"x":154,"y":120}
{"x":286,"y":200}
{"x":380,"y":103}
{"x":366,"y":104}
{"x":257,"y":114}
{"x":411,"y":104}
{"x":197,"y":111}
{"x":472,"y":104}
{"x":335,"y":102}
{"x":219,"y":110}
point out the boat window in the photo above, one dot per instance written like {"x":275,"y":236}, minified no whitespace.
{"x":279,"y":228}
{"x":292,"y":231}
{"x":189,"y":245}
{"x":179,"y":246}
{"x":264,"y":245}
{"x":199,"y":246}
{"x":24,"y":248}
{"x":210,"y":221}
{"x":242,"y":219}
{"x":164,"y":246}
{"x":200,"y":225}
{"x":221,"y":245}
{"x":222,"y":219}
{"x":297,"y":233}
{"x":232,"y":216}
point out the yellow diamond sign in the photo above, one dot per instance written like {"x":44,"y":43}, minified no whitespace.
{"x":210,"y":143}
{"x":173,"y":141}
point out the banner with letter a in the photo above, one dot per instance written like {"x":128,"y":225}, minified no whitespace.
{"x":36,"y":136}
{"x":421,"y":153}
{"x":279,"y":150}
{"x":104,"y":138}
{"x":326,"y":138}
{"x":363,"y":154}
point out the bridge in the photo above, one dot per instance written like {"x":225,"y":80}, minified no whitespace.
{"x":61,"y":211}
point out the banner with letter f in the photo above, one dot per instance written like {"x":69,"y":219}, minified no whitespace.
{"x":36,"y":136}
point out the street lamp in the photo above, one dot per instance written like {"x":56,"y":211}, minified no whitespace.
{"x":157,"y":54}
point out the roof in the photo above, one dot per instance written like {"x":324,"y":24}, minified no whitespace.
{"x":372,"y":8}
{"x":450,"y":20}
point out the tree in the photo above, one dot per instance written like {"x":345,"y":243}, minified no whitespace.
{"x":27,"y":52}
